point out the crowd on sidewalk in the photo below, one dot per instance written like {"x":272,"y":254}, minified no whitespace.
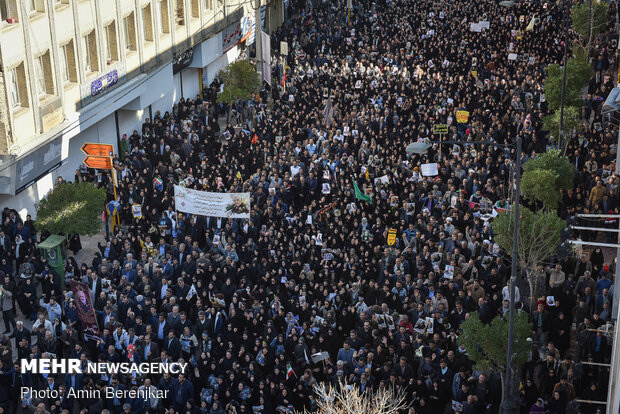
{"x":308,"y":290}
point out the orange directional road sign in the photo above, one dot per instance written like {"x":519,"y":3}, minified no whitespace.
{"x":102,"y":163}
{"x":99,"y":150}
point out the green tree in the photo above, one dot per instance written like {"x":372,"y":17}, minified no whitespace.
{"x":589,"y":19}
{"x":538,"y":239}
{"x":539,"y":185}
{"x":487,"y":345}
{"x":240,"y":81}
{"x":546,"y":186}
{"x":72,"y":208}
{"x":551,"y":122}
{"x":578,"y":74}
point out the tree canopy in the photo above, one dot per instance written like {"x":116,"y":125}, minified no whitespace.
{"x":578,"y":74}
{"x":588,"y":27}
{"x":240,"y":81}
{"x":545,"y":176}
{"x":72,"y":208}
{"x":551,"y":122}
{"x":539,"y":185}
{"x":350,"y":399}
{"x":487,"y":344}
{"x":538,"y":238}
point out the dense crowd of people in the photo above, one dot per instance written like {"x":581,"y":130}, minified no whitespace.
{"x":308,"y":290}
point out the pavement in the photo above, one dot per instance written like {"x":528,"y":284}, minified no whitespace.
{"x":89,"y":247}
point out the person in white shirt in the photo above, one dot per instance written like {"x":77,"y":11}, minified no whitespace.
{"x":295,"y":168}
{"x":506,"y":293}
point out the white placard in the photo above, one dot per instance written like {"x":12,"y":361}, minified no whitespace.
{"x":429,"y":170}
{"x":475,"y":27}
{"x":382,"y":180}
{"x":319,"y":356}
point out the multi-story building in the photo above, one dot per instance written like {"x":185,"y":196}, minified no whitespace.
{"x":77,"y":71}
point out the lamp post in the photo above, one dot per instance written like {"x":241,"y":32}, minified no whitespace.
{"x":612,"y":106}
{"x":563,"y":97}
{"x":509,"y":406}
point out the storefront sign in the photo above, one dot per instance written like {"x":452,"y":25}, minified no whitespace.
{"x":97,"y":87}
{"x":37,"y":163}
{"x":244,"y":29}
{"x":182,"y":60}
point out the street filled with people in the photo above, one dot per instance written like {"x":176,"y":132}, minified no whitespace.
{"x":308,"y":290}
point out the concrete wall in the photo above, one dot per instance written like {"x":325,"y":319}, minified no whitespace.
{"x":25,"y":201}
{"x":128,"y":121}
{"x":191,"y":85}
{"x":103,"y":132}
{"x":220,"y":63}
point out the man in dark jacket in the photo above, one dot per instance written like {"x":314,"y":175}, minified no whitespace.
{"x":172,"y":345}
{"x":182,"y":391}
{"x":541,"y":320}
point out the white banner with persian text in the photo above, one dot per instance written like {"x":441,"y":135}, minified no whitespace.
{"x":203,"y":203}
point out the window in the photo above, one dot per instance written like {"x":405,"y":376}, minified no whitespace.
{"x":43,"y":75}
{"x":209,"y":4}
{"x":89,"y":47}
{"x":195,"y":8}
{"x":86,"y":54}
{"x":164,"y":17}
{"x":64,"y":64}
{"x":13,"y":88}
{"x":35,"y":6}
{"x":16,"y":87}
{"x":68,"y":70}
{"x":39,"y":75}
{"x":8,"y":10}
{"x":130,"y":32}
{"x":179,"y":12}
{"x":111,"y":43}
{"x":147,"y":23}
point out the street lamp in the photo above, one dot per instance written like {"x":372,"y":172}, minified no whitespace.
{"x":562,"y":99}
{"x":510,"y":405}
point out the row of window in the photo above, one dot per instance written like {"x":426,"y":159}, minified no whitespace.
{"x":16,"y":79}
{"x":8,"y":8}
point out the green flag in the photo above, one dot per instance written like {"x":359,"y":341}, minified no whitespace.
{"x":361,"y":196}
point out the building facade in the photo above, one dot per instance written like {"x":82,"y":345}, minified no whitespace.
{"x":77,"y":71}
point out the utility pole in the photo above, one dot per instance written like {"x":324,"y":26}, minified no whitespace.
{"x":613,"y":399}
{"x":258,"y":41}
{"x":510,"y":405}
{"x":566,"y":17}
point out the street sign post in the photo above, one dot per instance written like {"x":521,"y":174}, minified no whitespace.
{"x":100,"y":156}
{"x":100,"y":163}
{"x":99,"y":150}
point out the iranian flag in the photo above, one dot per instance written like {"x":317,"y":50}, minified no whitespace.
{"x":289,"y":371}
